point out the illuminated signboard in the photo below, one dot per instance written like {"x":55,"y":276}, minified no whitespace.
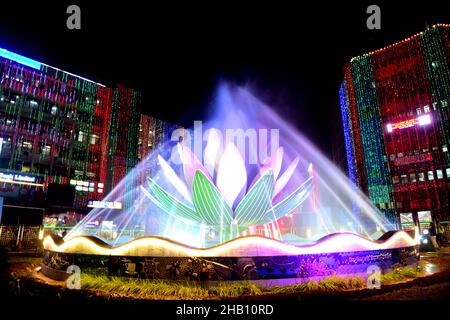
{"x":422,"y":120}
{"x":407,"y":221}
{"x":19,"y":178}
{"x":105,"y":204}
{"x":425,"y":219}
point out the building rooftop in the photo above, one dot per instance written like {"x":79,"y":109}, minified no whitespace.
{"x":439,"y":25}
{"x":36,"y":64}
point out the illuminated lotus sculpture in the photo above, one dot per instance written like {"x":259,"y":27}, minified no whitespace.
{"x":221,"y":193}
{"x":213,"y":202}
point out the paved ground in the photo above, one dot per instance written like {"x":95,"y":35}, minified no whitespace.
{"x":434,"y":287}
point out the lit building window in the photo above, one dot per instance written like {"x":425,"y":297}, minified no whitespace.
{"x":439,"y":174}
{"x":430,"y":175}
{"x":54,"y":110}
{"x":412,"y":177}
{"x":419,"y":111}
{"x":395,"y":180}
{"x":45,"y":150}
{"x":421,"y":176}
{"x":27,"y":145}
{"x":94,"y":139}
{"x":447,"y":172}
{"x":70,"y":114}
{"x":426,"y":109}
{"x":81,"y":135}
{"x":392,"y":157}
{"x":404,"y":178}
{"x":444,"y":148}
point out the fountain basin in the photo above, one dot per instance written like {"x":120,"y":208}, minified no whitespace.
{"x":243,"y":258}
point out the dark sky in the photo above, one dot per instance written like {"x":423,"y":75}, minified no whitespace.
{"x":291,"y":55}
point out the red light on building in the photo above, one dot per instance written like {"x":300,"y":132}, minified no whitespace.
{"x":388,"y":97}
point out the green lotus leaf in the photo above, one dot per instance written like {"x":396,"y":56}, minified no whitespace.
{"x":289,"y":203}
{"x":209,"y":203}
{"x":170,"y":204}
{"x":257,"y":201}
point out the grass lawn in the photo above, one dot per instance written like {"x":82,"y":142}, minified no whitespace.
{"x":145,"y":287}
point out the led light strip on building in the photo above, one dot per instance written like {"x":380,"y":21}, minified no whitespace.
{"x":35,"y":64}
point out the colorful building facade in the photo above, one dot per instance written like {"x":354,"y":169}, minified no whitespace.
{"x":60,"y":128}
{"x":395,"y":105}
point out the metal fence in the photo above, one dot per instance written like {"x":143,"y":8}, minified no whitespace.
{"x":19,"y":238}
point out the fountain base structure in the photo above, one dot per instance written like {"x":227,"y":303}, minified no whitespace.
{"x":244,"y":258}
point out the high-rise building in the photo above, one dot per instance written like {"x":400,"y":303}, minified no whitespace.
{"x":395,"y":105}
{"x":59,"y":129}
{"x":152,"y":132}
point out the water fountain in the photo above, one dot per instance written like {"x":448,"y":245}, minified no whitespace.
{"x":241,"y":196}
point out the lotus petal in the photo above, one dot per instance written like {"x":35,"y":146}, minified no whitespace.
{"x":310,"y":169}
{"x":213,"y":150}
{"x":171,"y":205}
{"x":256,"y":202}
{"x":285,"y":177}
{"x":290,"y":202}
{"x":274,"y":163}
{"x":231,"y":174}
{"x":174,"y":179}
{"x":209,"y":203}
{"x":190,"y":164}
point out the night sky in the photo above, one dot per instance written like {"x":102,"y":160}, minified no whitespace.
{"x":290,"y":55}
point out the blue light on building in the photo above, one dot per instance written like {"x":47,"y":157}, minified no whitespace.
{"x":20,"y":59}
